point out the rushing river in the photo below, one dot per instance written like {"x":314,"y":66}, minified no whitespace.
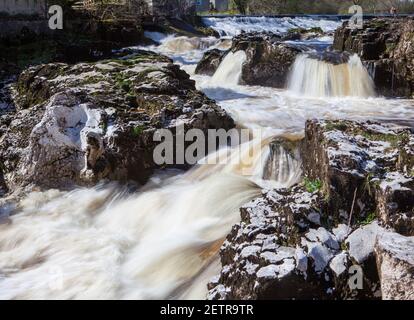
{"x":163,"y":241}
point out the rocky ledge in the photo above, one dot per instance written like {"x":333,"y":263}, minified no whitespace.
{"x":345,"y":232}
{"x":269,"y":56}
{"x":386,"y":46}
{"x":79,"y":124}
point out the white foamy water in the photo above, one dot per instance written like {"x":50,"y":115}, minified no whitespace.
{"x":101,"y":243}
{"x":163,"y":241}
{"x":312,"y":77}
{"x":184,"y":50}
{"x":230,"y":70}
{"x":281,"y":112}
{"x":231,"y":26}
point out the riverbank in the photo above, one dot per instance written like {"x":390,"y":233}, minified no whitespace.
{"x":328,"y":184}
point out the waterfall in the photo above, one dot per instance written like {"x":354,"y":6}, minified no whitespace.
{"x":230,"y":70}
{"x":283,"y":165}
{"x":316,"y":78}
{"x":231,"y":26}
{"x":183,"y":44}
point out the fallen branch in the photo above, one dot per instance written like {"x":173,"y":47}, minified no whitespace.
{"x":352,"y":208}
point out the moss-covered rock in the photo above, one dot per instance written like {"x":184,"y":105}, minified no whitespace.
{"x":79,"y":124}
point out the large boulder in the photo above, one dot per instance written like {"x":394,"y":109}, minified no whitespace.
{"x":386,"y":48}
{"x":268,"y":59}
{"x":79,"y":124}
{"x":349,"y":160}
{"x":266,"y":256}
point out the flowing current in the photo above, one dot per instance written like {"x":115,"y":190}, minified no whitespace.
{"x":163,"y":240}
{"x":311,"y":77}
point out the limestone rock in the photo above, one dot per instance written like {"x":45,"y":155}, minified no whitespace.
{"x":79,"y":124}
{"x":306,"y":242}
{"x":395,"y":260}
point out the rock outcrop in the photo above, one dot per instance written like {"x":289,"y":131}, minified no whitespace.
{"x":210,"y":62}
{"x":336,"y":235}
{"x":386,"y":46}
{"x":268,"y":61}
{"x":79,"y":124}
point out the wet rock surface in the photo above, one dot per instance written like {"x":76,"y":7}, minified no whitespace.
{"x":270,"y":56}
{"x":210,"y":62}
{"x":338,"y":233}
{"x":386,"y":48}
{"x":79,"y":124}
{"x":268,"y":61}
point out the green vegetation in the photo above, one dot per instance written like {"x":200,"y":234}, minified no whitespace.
{"x":31,"y":53}
{"x":394,"y":139}
{"x":390,"y":47}
{"x":123,"y":82}
{"x":124,"y":85}
{"x":303,"y":30}
{"x":336,"y":126}
{"x":367,"y":183}
{"x":369,"y":219}
{"x":138,"y":130}
{"x":312,"y":185}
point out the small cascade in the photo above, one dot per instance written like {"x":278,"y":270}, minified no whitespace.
{"x":284,"y":164}
{"x":231,"y":26}
{"x":230,"y":70}
{"x":159,"y":243}
{"x":314,"y":77}
{"x":185,"y":44}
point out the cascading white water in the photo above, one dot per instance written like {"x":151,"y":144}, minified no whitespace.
{"x":184,"y":44}
{"x":230,"y":70}
{"x":315,"y":78}
{"x":231,"y":26}
{"x":283,"y":166}
{"x":97,"y":243}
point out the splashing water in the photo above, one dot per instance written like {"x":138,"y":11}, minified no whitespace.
{"x":230,"y":70}
{"x":152,"y":245}
{"x":315,"y":78}
{"x":283,"y":166}
{"x":231,"y":26}
{"x":184,"y":44}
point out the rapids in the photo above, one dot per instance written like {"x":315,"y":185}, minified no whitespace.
{"x":162,"y":241}
{"x":311,"y":77}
